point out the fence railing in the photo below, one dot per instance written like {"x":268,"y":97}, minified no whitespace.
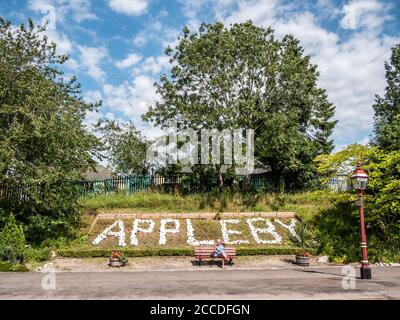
{"x":181,"y":182}
{"x":17,"y":193}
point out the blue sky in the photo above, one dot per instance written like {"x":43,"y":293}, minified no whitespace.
{"x":116,"y":47}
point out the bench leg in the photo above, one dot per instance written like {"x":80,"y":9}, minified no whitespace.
{"x":199,"y":262}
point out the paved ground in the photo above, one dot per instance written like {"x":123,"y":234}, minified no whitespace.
{"x":319,"y":282}
{"x":175,"y":263}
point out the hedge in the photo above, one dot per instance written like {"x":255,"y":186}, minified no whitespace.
{"x":241,"y":251}
{"x":10,"y":267}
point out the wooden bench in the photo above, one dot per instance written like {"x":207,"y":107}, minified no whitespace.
{"x":207,"y":253}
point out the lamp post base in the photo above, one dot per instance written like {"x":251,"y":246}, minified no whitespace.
{"x":365,"y":273}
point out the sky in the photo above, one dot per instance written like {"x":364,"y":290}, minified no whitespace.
{"x":116,"y":47}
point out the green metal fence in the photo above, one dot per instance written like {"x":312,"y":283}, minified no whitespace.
{"x":167,"y":183}
{"x":180,"y":183}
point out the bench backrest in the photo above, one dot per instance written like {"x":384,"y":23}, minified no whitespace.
{"x":210,"y":250}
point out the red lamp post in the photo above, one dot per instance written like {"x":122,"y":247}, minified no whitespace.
{"x":360,"y":180}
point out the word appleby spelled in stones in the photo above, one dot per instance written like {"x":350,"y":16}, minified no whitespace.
{"x":259,"y":228}
{"x":108,"y":232}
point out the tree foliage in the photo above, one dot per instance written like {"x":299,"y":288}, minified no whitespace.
{"x":12,"y":241}
{"x":43,"y":143}
{"x":126,"y":148}
{"x":344,"y":161}
{"x":387,"y":108}
{"x":383,"y":200}
{"x":243,"y":77}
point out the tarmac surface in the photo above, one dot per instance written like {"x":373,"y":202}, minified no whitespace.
{"x":319,"y":282}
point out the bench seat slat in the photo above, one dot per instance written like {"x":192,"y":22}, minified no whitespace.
{"x":205,"y":253}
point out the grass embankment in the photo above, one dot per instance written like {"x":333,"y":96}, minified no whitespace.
{"x":333,"y":217}
{"x":306,"y":204}
{"x":204,"y":229}
{"x":176,"y":245}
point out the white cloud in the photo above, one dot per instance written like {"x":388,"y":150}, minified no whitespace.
{"x":64,"y":44}
{"x":156,"y":32}
{"x":363,"y":13}
{"x":140,"y":39}
{"x":92,"y":96}
{"x":258,"y":11}
{"x":72,"y":64}
{"x":129,"y":61}
{"x":327,"y":10}
{"x":129,"y":7}
{"x":154,"y":65}
{"x":132,"y":99}
{"x":91,"y":118}
{"x":90,"y":59}
{"x":80,"y":10}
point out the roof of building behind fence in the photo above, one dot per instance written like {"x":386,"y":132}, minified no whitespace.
{"x":99,"y":173}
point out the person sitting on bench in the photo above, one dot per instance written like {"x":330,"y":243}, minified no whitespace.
{"x":219,"y":252}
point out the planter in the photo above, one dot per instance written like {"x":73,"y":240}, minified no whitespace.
{"x":114,"y":262}
{"x":303,"y":260}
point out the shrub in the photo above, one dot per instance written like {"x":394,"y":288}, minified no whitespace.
{"x":37,"y":254}
{"x":12,"y":241}
{"x":44,"y":144}
{"x":337,"y":230}
{"x":10,"y":267}
{"x":383,"y":196}
{"x":242,"y":251}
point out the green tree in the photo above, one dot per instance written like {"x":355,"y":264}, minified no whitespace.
{"x":12,"y":241}
{"x":387,"y":108}
{"x":43,"y":143}
{"x":126,"y":148}
{"x":337,"y":226}
{"x":242,"y":77}
{"x":344,"y":161}
{"x":383,"y":195}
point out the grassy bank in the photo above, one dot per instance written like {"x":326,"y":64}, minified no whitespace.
{"x":306,"y":204}
{"x":203,"y":229}
{"x":333,"y":217}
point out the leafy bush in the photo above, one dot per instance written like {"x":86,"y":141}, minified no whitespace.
{"x":338,"y":226}
{"x":328,"y":165}
{"x":12,"y":241}
{"x":10,"y":267}
{"x":86,"y":253}
{"x":43,"y":142}
{"x":383,"y":196}
{"x":307,"y":240}
{"x":37,"y":254}
{"x":242,"y":251}
{"x":337,"y":230}
{"x":3,"y":218}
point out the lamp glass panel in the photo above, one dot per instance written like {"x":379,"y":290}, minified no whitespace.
{"x":360,"y":183}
